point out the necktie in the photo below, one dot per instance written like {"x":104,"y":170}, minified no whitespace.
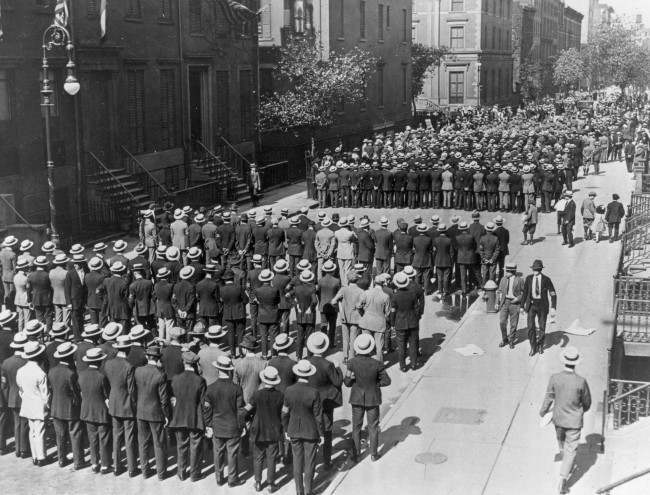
{"x":537,"y":289}
{"x":509,"y":293}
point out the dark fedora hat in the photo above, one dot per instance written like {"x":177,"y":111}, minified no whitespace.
{"x":537,"y":265}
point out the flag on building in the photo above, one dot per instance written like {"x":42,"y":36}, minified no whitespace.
{"x":102,"y":18}
{"x":2,"y":34}
{"x":61,"y":13}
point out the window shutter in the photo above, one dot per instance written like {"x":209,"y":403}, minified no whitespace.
{"x":223,"y":101}
{"x":195,"y":16}
{"x":135,"y":104}
{"x":92,"y":8}
{"x":168,"y":108}
{"x":245,"y":110}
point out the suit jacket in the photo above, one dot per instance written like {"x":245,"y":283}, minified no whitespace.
{"x":547,"y":291}
{"x":95,"y":390}
{"x":466,"y":249}
{"x":207,"y":293}
{"x":8,"y":262}
{"x":94,"y":281}
{"x":614,"y":212}
{"x":503,"y":235}
{"x":369,"y":376}
{"x":33,"y":389}
{"x":58,"y":275}
{"x":383,"y":244}
{"x":325,"y":243}
{"x":117,"y":295}
{"x":66,"y":394}
{"x":569,"y":394}
{"x":9,"y":369}
{"x":39,"y":289}
{"x":275,"y":237}
{"x":309,"y":246}
{"x":223,"y":408}
{"x":517,"y":288}
{"x":294,"y":241}
{"x":152,"y":393}
{"x":234,"y":300}
{"x":267,"y":421}
{"x":179,"y":233}
{"x":162,"y":295}
{"x":403,"y":247}
{"x":247,"y":374}
{"x":406,"y":313}
{"x":189,"y":390}
{"x":260,"y":243}
{"x":488,"y":247}
{"x":375,"y":304}
{"x":282,"y":281}
{"x":284,"y":364}
{"x":422,"y":245}
{"x":366,"y":243}
{"x":570,"y":212}
{"x":327,"y":380}
{"x":328,"y":286}
{"x":184,"y":297}
{"x":305,"y":302}
{"x":194,"y":235}
{"x":268,"y":298}
{"x":140,"y":297}
{"x":121,"y":377}
{"x":76,"y":291}
{"x":345,"y":240}
{"x":348,"y":299}
{"x":303,"y":412}
{"x":444,"y":252}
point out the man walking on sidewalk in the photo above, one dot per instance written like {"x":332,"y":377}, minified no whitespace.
{"x":538,"y":289}
{"x":568,"y":394}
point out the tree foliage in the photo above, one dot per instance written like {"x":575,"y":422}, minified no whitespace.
{"x":569,"y":68}
{"x":423,"y":59}
{"x":314,"y":88}
{"x":530,"y":79}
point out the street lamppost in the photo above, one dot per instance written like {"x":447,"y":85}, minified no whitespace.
{"x":53,"y":37}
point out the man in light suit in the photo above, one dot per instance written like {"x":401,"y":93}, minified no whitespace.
{"x":511,"y":289}
{"x":568,"y":393}
{"x":538,"y":290}
{"x":57,"y":280}
{"x":76,"y":292}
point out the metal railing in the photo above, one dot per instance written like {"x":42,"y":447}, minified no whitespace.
{"x":144,"y":177}
{"x":633,"y":320}
{"x":207,"y":194}
{"x":608,"y":488}
{"x":635,"y":244}
{"x":629,"y":401}
{"x":637,"y":220}
{"x":640,"y":203}
{"x":635,"y":288}
{"x":275,"y":175}
{"x":233,"y":158}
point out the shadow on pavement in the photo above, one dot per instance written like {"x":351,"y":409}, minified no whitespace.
{"x":586,"y":455}
{"x":398,"y":433}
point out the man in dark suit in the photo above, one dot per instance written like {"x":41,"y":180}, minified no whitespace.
{"x":76,"y":292}
{"x":233,"y":302}
{"x":116,"y":289}
{"x":223,"y":415}
{"x":365,"y":375}
{"x":226,"y":237}
{"x":629,"y":151}
{"x":252,"y":283}
{"x":66,"y":404}
{"x":510,"y":292}
{"x":294,"y":244}
{"x":305,"y":302}
{"x":188,"y":392}
{"x":93,"y":281}
{"x":436,"y":187}
{"x":89,"y":339}
{"x":366,"y":245}
{"x":95,"y":390}
{"x":39,"y":292}
{"x":207,"y":295}
{"x":467,"y":258}
{"x":403,"y":246}
{"x":266,"y":427}
{"x":140,"y":297}
{"x":162,"y":296}
{"x":568,"y":219}
{"x":9,"y":368}
{"x":443,"y":259}
{"x":121,"y":405}
{"x":282,"y":281}
{"x":152,"y":411}
{"x":302,"y":420}
{"x":405,"y":317}
{"x":503,"y":235}
{"x":276,"y":240}
{"x":613,"y":216}
{"x":423,"y":253}
{"x":268,"y":298}
{"x":383,"y":247}
{"x":327,"y":379}
{"x":488,"y":250}
{"x":184,"y":299}
{"x":538,"y":290}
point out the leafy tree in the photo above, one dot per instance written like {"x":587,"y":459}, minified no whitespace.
{"x":569,"y":68}
{"x":530,"y":79}
{"x":314,"y":88}
{"x":423,"y":59}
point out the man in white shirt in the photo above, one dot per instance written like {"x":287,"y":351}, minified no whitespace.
{"x":511,"y":289}
{"x":345,"y":251}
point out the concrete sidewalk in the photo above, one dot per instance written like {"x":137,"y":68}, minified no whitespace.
{"x":470,"y":425}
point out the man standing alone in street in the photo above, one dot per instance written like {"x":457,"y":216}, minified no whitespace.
{"x":538,"y":289}
{"x":568,"y":394}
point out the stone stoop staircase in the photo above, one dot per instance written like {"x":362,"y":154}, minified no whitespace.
{"x":211,"y":166}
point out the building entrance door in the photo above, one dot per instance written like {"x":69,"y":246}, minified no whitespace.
{"x":199,"y":98}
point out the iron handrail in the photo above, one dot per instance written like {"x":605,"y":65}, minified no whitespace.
{"x":20,"y":217}
{"x":137,"y":162}
{"x":106,"y":169}
{"x":622,"y":481}
{"x":628,"y":393}
{"x":227,"y":143}
{"x":635,"y":382}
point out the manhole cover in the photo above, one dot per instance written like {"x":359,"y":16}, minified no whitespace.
{"x":460,"y":416}
{"x":430,"y":458}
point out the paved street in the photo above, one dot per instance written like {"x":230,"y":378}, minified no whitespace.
{"x":459,"y":425}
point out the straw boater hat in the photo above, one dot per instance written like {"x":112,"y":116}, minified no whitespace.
{"x":327,"y":221}
{"x":60,"y":259}
{"x":400,"y":280}
{"x":65,"y":350}
{"x":26,"y":245}
{"x":32,"y":350}
{"x":409,"y":271}
{"x":490,"y":227}
{"x":112,"y":330}
{"x":100,"y":246}
{"x":48,"y":247}
{"x":223,"y":363}
{"x":216,"y":332}
{"x":318,"y":343}
{"x":186,"y":272}
{"x":59,"y":329}
{"x":178,"y":214}
{"x":364,"y":344}
{"x":9,"y":241}
{"x":303,"y":369}
{"x":282,"y":341}
{"x":306,"y":276}
{"x":22,"y":264}
{"x":194,"y":253}
{"x":511,"y":267}
{"x":138,"y":332}
{"x":281,"y":266}
{"x":329,"y":266}
{"x":570,"y":356}
{"x":19,"y":341}
{"x":33,"y":327}
{"x":257,"y":259}
{"x":163,"y":272}
{"x":6,"y":316}
{"x":119,"y":246}
{"x":140,"y":248}
{"x":305,"y":265}
{"x":78,"y":259}
{"x":122,"y":342}
{"x":266,"y":275}
{"x":91,"y":330}
{"x":270,"y":376}
{"x":41,"y":261}
{"x":118,"y":267}
{"x":442,"y":227}
{"x":172,"y":253}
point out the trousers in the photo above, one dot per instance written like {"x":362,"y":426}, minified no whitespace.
{"x":226,"y":447}
{"x":149,"y":431}
{"x":567,"y":439}
{"x":509,"y":312}
{"x":403,"y":337}
{"x":268,"y":332}
{"x":372,"y":416}
{"x":188,"y":444}
{"x":265,"y":451}
{"x":69,"y":429}
{"x":37,"y":438}
{"x":99,"y":440}
{"x":536,"y":340}
{"x":304,"y":463}
{"x":349,"y":332}
{"x":21,"y":432}
{"x":303,"y":331}
{"x":124,"y":429}
{"x":379,"y":344}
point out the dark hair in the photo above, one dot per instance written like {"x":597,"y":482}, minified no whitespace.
{"x":615,"y":196}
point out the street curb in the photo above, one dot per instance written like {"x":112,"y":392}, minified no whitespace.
{"x":336,"y":482}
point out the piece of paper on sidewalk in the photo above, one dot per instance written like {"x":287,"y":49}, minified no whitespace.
{"x":577,"y":329}
{"x":470,"y":350}
{"x":546,"y":419}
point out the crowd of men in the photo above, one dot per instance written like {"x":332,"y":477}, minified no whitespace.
{"x":189,"y":336}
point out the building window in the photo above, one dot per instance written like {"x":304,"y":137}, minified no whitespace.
{"x":404,"y":84}
{"x":387,"y":16}
{"x":135,"y":109}
{"x":165,"y":10}
{"x":380,"y":86}
{"x":266,"y":81}
{"x":168,"y":118}
{"x":499,"y":39}
{"x":499,"y":84}
{"x":380,"y":22}
{"x":362,"y":19}
{"x":92,"y":8}
{"x":341,"y":18}
{"x":457,"y":5}
{"x":500,"y":8}
{"x":494,"y":37}
{"x":264,"y":26}
{"x":195,"y":16}
{"x":508,"y":9}
{"x":223,"y":102}
{"x":405,"y":26}
{"x":133,"y":9}
{"x":457,"y":37}
{"x":245,"y":104}
{"x":5,"y":95}
{"x":456,"y":88}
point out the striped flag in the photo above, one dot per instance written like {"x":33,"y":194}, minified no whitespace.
{"x":2,"y":34}
{"x":102,"y":18}
{"x":61,"y":13}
